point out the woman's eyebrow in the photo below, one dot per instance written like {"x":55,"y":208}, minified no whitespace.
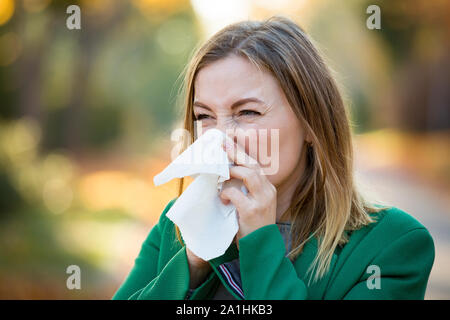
{"x":233,"y":106}
{"x":201,"y":105}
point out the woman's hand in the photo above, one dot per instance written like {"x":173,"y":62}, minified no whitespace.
{"x":198,"y":269}
{"x":256,"y":209}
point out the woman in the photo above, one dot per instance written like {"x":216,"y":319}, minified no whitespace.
{"x":305,"y":232}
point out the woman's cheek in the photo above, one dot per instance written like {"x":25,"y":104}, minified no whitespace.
{"x":284,"y":153}
{"x":272,"y":158}
{"x":268,"y":151}
{"x":247,"y":137}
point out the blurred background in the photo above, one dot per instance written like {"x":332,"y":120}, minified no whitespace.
{"x":86,"y":117}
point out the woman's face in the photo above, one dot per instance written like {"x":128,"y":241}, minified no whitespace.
{"x":232,"y":94}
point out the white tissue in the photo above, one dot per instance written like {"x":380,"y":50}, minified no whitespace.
{"x":206,"y":224}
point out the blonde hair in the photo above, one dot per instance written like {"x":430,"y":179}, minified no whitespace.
{"x":326,"y":203}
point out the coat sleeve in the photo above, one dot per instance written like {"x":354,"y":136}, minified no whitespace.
{"x":145,"y":282}
{"x":265,"y":271}
{"x":400,"y":271}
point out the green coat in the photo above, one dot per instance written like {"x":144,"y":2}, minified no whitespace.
{"x":397,"y":243}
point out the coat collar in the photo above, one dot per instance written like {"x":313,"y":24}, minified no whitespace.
{"x":316,"y":290}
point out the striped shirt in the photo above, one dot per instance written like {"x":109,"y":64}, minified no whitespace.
{"x":230,"y":271}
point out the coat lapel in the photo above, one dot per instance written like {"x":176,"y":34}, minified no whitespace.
{"x":316,"y":290}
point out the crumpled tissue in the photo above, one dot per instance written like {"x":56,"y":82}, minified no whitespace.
{"x":207,"y":226}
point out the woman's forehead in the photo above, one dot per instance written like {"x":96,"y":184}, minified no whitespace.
{"x":228,"y":80}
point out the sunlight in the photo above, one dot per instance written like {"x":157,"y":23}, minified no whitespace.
{"x":6,"y":11}
{"x":214,"y":15}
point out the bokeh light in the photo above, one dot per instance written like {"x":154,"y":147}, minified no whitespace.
{"x":35,"y":6}
{"x":6,"y":10}
{"x":10,"y":48}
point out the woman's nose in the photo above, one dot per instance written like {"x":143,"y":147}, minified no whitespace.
{"x":226,"y":124}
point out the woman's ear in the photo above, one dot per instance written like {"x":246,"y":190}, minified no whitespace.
{"x":308,"y":138}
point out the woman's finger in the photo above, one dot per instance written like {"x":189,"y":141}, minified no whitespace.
{"x":238,"y":155}
{"x":237,"y":198}
{"x":252,"y":180}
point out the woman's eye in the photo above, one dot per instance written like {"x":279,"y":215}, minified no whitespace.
{"x":249,"y":113}
{"x":201,"y":116}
